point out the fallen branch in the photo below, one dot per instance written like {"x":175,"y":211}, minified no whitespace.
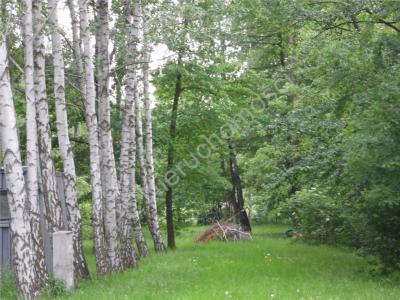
{"x":224,"y":231}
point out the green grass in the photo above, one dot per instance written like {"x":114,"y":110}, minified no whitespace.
{"x":267,"y":267}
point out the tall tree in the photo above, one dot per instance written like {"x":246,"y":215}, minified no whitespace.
{"x":150,"y":177}
{"x":133,"y":206}
{"x":108,"y":170}
{"x":92,"y":124}
{"x":137,"y":226}
{"x":32,"y":155}
{"x":134,"y":19}
{"x":171,"y":155}
{"x":181,"y":12}
{"x":142,"y":165}
{"x":22,"y":250}
{"x":53,"y":205}
{"x":127,"y":159}
{"x":128,"y":254}
{"x":76,"y":45}
{"x":140,"y":154}
{"x":71,"y":200}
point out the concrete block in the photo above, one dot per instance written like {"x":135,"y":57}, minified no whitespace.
{"x":63,"y":257}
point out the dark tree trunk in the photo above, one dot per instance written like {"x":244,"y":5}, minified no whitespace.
{"x":170,"y":160}
{"x":281,"y":50}
{"x":237,"y":191}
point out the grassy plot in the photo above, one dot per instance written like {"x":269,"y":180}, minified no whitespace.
{"x":268,"y":267}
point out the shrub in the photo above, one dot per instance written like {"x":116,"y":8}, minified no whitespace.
{"x":315,"y":214}
{"x":56,"y":287}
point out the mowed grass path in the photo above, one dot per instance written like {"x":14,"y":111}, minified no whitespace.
{"x":268,"y":267}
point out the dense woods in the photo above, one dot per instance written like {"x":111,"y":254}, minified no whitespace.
{"x":163,"y":114}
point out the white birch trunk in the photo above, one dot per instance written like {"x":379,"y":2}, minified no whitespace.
{"x":133,"y":46}
{"x":52,"y":202}
{"x":127,"y":160}
{"x":76,"y":44}
{"x":139,"y":237}
{"x":128,"y":255}
{"x":151,"y":186}
{"x":74,"y":215}
{"x":22,"y":250}
{"x":32,"y":155}
{"x":108,"y":170}
{"x":91,"y":121}
{"x":140,"y":155}
{"x":142,"y":163}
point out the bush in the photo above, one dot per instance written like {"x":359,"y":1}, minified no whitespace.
{"x":379,"y":206}
{"x":369,"y":223}
{"x":315,"y":214}
{"x":56,"y":287}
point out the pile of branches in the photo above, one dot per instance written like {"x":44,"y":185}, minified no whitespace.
{"x":224,"y":231}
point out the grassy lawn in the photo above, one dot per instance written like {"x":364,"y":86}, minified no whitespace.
{"x":268,"y":267}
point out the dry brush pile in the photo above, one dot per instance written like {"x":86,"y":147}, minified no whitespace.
{"x":224,"y":231}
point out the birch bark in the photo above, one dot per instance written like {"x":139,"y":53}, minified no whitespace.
{"x":52,"y":202}
{"x":74,"y":216}
{"x":151,"y":186}
{"x":143,"y":171}
{"x":22,"y":250}
{"x":76,"y":44}
{"x":91,"y":121}
{"x":32,"y":155}
{"x":108,"y":170}
{"x":140,"y":240}
{"x":129,"y":214}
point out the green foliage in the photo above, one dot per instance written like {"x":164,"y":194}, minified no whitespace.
{"x":83,"y":188}
{"x":324,"y":151}
{"x":328,"y":74}
{"x":86,"y":215}
{"x":331,"y":122}
{"x":314,"y":214}
{"x":55,"y":288}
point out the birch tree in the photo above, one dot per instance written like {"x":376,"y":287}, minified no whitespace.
{"x":22,"y":250}
{"x":76,"y":45}
{"x":52,"y":202}
{"x":108,"y":170}
{"x":128,"y":255}
{"x":140,"y":240}
{"x":32,"y":155}
{"x":140,"y":156}
{"x":143,"y":170}
{"x":91,"y":121}
{"x":127,"y":158}
{"x":71,"y":200}
{"x":150,"y":177}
